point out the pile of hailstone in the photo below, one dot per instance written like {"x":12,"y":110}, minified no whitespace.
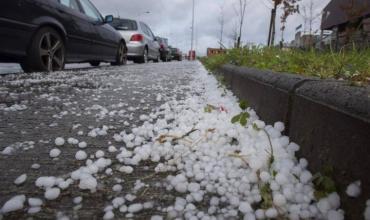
{"x":225,"y":170}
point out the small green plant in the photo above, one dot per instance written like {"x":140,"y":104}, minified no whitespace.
{"x":243,"y":105}
{"x":242,"y":118}
{"x":209,"y":108}
{"x":352,"y":65}
{"x":266,"y":194}
{"x":323,"y":182}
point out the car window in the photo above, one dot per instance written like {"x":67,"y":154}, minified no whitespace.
{"x":150,"y":32}
{"x":90,"y":10}
{"x":145,"y":30}
{"x":124,"y":24}
{"x":70,"y":3}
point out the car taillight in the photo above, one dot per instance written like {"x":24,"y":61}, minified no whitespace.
{"x":137,"y":37}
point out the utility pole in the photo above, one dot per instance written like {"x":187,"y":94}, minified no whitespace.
{"x":192,"y":28}
{"x":271,"y":38}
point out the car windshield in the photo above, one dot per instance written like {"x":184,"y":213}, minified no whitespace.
{"x":124,"y":24}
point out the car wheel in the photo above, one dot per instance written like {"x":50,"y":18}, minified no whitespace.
{"x":95,"y":63}
{"x":121,"y":57}
{"x":46,"y":52}
{"x":156,"y":60}
{"x":144,"y":58}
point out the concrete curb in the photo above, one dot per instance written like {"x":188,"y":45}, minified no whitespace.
{"x":329,"y":119}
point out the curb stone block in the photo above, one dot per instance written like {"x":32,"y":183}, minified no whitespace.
{"x":329,"y":119}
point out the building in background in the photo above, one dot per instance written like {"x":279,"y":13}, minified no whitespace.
{"x":349,"y":21}
{"x":305,"y":41}
{"x":215,"y":51}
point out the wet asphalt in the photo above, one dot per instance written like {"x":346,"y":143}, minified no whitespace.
{"x":67,"y":104}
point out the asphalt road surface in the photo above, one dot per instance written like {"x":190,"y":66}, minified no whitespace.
{"x":37,"y":108}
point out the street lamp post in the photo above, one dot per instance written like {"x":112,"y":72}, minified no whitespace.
{"x":192,"y":53}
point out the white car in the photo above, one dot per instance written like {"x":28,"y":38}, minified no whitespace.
{"x":142,"y":45}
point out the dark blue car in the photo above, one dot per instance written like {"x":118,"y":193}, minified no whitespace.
{"x":43,"y":35}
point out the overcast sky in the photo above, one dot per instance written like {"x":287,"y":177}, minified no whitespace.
{"x":172,"y":19}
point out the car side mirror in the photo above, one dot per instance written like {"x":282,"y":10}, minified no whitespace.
{"x":108,"y":19}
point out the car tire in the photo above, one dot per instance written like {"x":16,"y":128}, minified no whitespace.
{"x":46,"y":52}
{"x":144,"y":58}
{"x":156,"y":60}
{"x":94,"y":63}
{"x":121,"y":56}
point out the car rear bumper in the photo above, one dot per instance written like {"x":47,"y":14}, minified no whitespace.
{"x":14,"y":39}
{"x":135,"y":49}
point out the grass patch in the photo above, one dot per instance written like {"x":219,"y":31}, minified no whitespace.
{"x":352,"y":65}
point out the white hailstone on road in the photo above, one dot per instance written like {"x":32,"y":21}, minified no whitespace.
{"x":126,"y":169}
{"x":367,"y":211}
{"x":118,"y":201}
{"x":130,"y":197}
{"x":265,"y":176}
{"x":35,"y":166}
{"x":82,"y":144}
{"x":334,"y":200}
{"x":73,"y":141}
{"x":45,"y":182}
{"x":34,"y":210}
{"x":81,"y":155}
{"x":112,"y":149}
{"x":193,"y":187}
{"x":117,"y":188}
{"x":354,"y":189}
{"x":99,"y":154}
{"x":108,"y":215}
{"x":156,"y":217}
{"x":133,"y":208}
{"x":52,"y":193}
{"x":21,"y":179}
{"x":279,"y":200}
{"x":8,"y":151}
{"x":335,"y":215}
{"x":59,"y":141}
{"x":305,"y":177}
{"x":245,"y":207}
{"x":323,"y":205}
{"x":123,"y":209}
{"x":13,"y":204}
{"x":271,"y":213}
{"x":88,"y":183}
{"x":34,"y":202}
{"x":279,"y":126}
{"x":54,"y":153}
{"x":77,"y":200}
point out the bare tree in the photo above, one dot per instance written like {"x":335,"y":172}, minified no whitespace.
{"x":242,"y":6}
{"x":289,"y":7}
{"x":234,"y":35}
{"x":221,"y":21}
{"x":309,"y":17}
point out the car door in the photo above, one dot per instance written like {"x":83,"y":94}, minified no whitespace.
{"x":152,"y":44}
{"x":79,"y":30}
{"x":105,"y":40}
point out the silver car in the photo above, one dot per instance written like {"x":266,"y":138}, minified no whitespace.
{"x":142,"y":45}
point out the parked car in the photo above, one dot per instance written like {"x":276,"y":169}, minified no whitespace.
{"x":164,"y":50}
{"x":176,"y":54}
{"x":44,"y":35}
{"x":142,"y":45}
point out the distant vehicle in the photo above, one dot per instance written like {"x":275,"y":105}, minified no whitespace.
{"x":142,"y":45}
{"x":164,"y":50}
{"x":43,"y":35}
{"x":176,"y":54}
